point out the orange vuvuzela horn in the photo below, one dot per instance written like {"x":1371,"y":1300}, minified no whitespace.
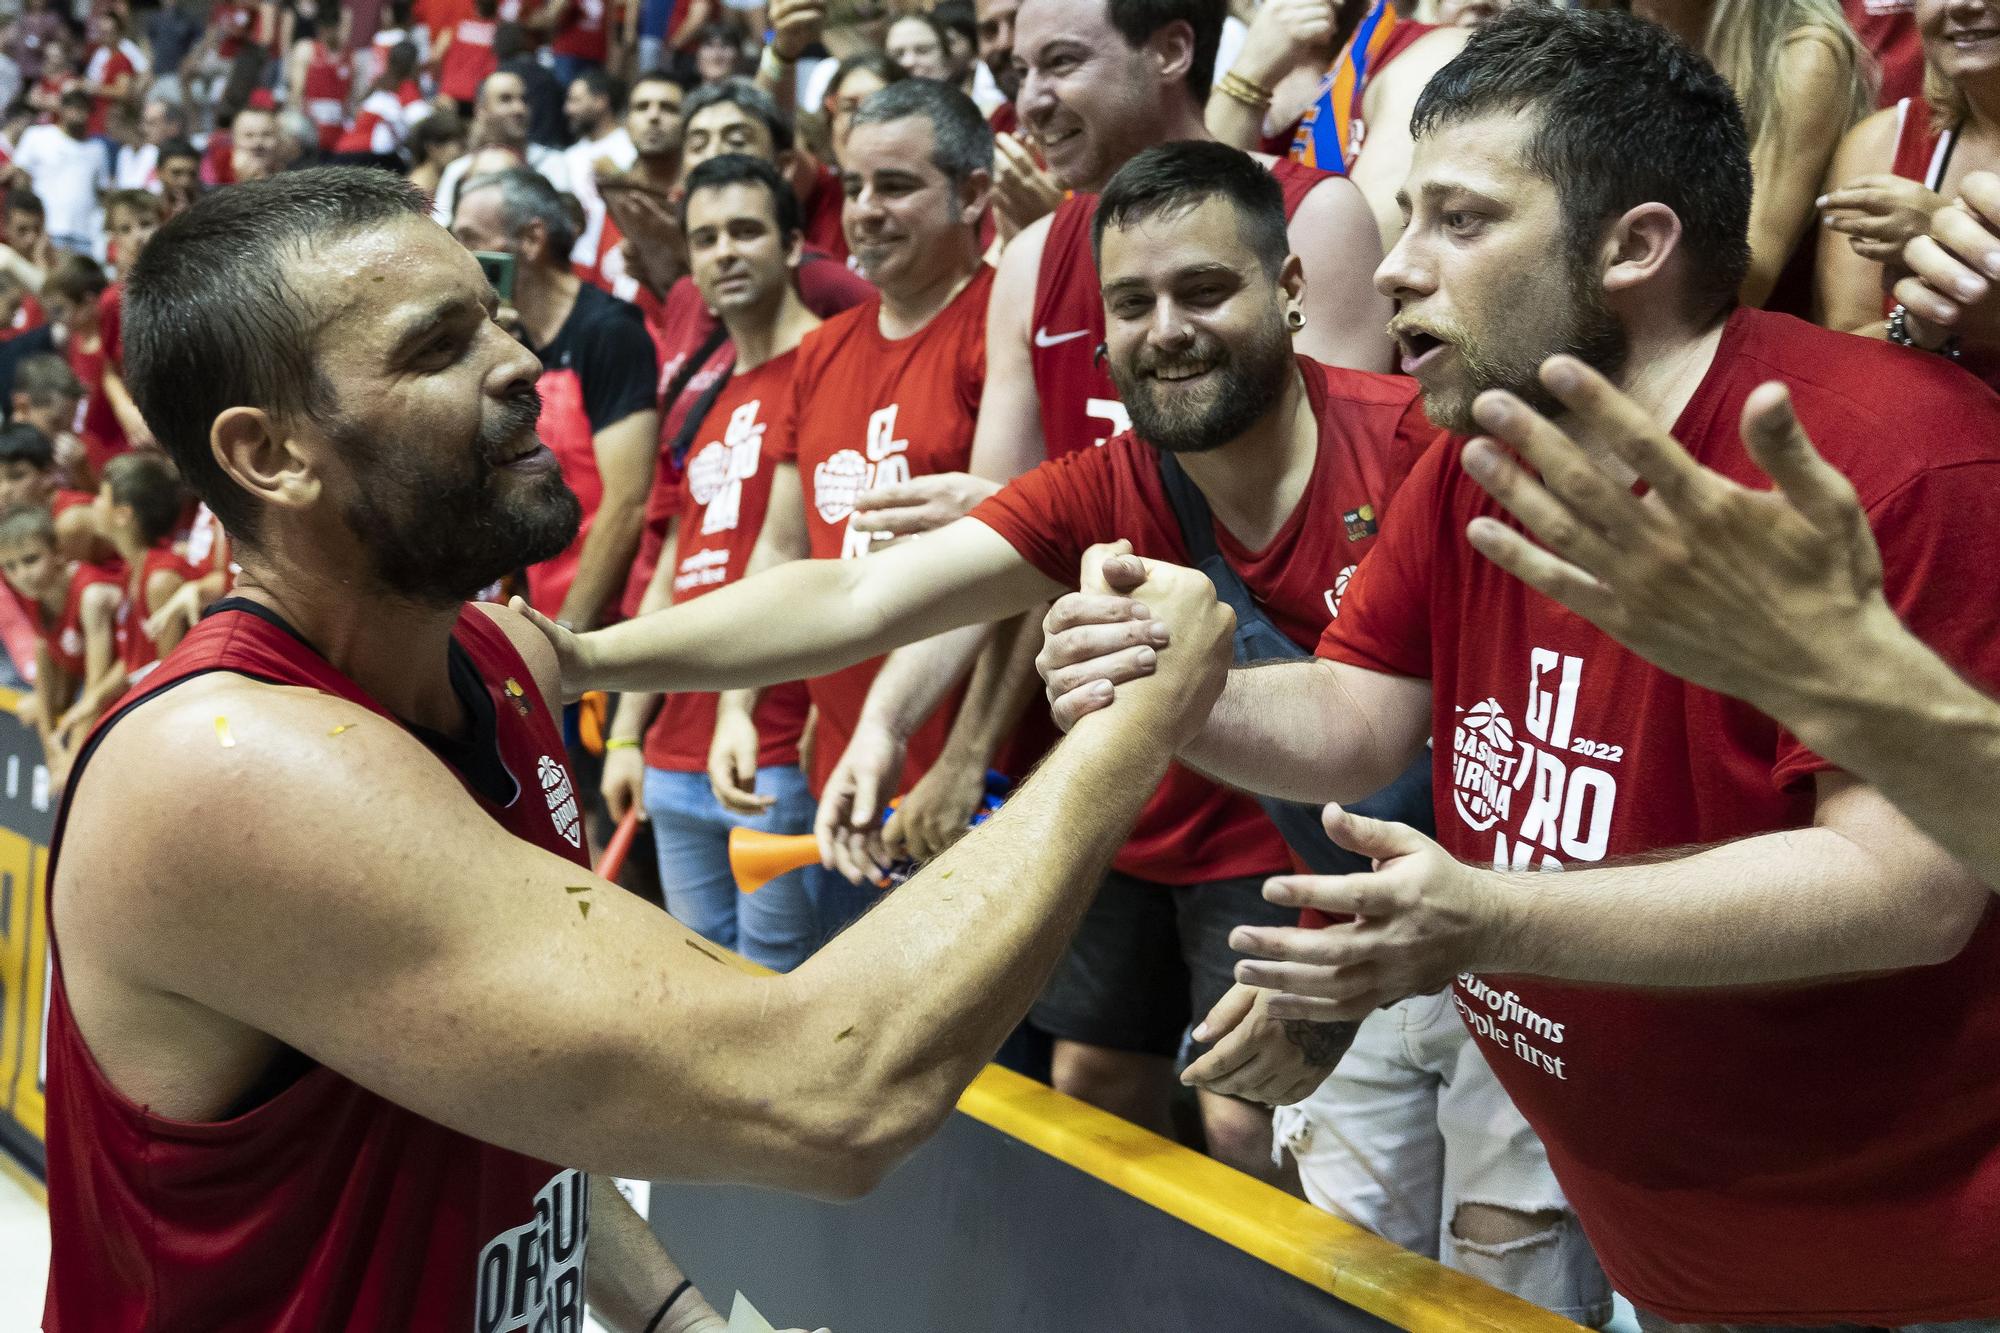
{"x":758,"y":858}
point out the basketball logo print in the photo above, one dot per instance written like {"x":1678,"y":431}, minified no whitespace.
{"x":1482,"y":765}
{"x":708,"y":471}
{"x":562,"y":800}
{"x":837,"y":483}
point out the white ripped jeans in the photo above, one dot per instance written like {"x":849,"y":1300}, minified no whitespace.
{"x":1414,"y":1125}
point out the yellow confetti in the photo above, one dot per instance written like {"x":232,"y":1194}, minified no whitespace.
{"x":577,"y":888}
{"x":584,"y":903}
{"x":345,"y":726}
{"x":222,"y":733}
{"x":843,"y":1034}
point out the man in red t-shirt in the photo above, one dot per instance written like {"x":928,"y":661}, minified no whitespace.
{"x":1726,"y":1169}
{"x":694,"y":347}
{"x":743,"y":242}
{"x":1338,"y":441}
{"x":890,"y":389}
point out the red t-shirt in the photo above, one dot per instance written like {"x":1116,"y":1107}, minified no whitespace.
{"x":681,"y":327}
{"x":1372,"y":429}
{"x":111,"y":325}
{"x":869,"y":412}
{"x":107,"y":65}
{"x":469,"y":59}
{"x":820,"y":205}
{"x":323,"y":1206}
{"x":583,"y":33}
{"x":1888,"y":28}
{"x":1809,"y":1154}
{"x":65,"y":637}
{"x":1080,"y":406}
{"x":103,"y":438}
{"x":724,"y":492}
{"x":136,"y":650}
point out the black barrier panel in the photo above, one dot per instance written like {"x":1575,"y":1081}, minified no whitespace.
{"x":979,"y":1232}
{"x":27,"y":820}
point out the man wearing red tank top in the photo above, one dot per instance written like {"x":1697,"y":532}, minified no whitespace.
{"x":327,"y":1079}
{"x":1819,"y":1146}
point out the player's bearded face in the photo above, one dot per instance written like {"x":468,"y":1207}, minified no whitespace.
{"x":1204,"y":390}
{"x":441,"y":523}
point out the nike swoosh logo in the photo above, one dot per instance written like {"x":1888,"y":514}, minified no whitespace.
{"x":1043,"y":339}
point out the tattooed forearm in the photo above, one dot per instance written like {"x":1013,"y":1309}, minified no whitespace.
{"x":1321,"y":1043}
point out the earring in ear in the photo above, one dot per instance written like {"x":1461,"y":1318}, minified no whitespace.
{"x":1295,"y":319}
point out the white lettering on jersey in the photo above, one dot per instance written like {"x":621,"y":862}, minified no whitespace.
{"x":531,"y":1278}
{"x":1111,"y":410}
{"x":1547,"y":801}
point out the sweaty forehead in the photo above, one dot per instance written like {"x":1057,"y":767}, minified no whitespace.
{"x":367,"y":285}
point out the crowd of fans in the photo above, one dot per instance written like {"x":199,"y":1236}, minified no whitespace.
{"x":815,"y":279}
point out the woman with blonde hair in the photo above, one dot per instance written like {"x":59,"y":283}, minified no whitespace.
{"x":1803,"y":79}
{"x":1899,"y":166}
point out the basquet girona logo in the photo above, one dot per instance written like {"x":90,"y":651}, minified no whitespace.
{"x":1483,"y":764}
{"x":562,"y":800}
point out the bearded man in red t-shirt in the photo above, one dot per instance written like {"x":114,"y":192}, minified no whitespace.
{"x":1820,"y":1145}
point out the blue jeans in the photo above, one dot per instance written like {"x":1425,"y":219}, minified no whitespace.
{"x":782,"y":923}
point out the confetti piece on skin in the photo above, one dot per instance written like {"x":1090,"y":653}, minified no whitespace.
{"x":843,"y":1034}
{"x":714,"y":958}
{"x":584,"y":903}
{"x":577,"y":888}
{"x":345,"y":726}
{"x":222,"y":733}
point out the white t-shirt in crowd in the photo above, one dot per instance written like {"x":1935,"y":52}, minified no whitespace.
{"x":548,"y":161}
{"x":68,"y":176}
{"x":138,"y":167}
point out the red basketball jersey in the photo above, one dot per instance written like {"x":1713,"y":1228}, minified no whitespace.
{"x":1080,"y":408}
{"x":323,"y":1207}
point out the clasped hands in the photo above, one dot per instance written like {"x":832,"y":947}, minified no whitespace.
{"x":1405,"y":929}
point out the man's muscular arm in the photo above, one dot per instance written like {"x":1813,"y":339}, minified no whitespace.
{"x":614,"y":1040}
{"x":1859,"y":892}
{"x":1386,"y":106}
{"x":809,"y":617}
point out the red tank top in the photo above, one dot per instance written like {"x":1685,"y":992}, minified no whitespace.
{"x":325,"y":1207}
{"x":1080,"y":408}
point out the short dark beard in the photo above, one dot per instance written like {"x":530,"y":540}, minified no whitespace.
{"x":438,"y":533}
{"x":1594,"y":336}
{"x":1250,"y":380}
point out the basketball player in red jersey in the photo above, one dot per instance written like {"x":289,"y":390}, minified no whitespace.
{"x":330,"y":1079}
{"x":1728,"y":1173}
